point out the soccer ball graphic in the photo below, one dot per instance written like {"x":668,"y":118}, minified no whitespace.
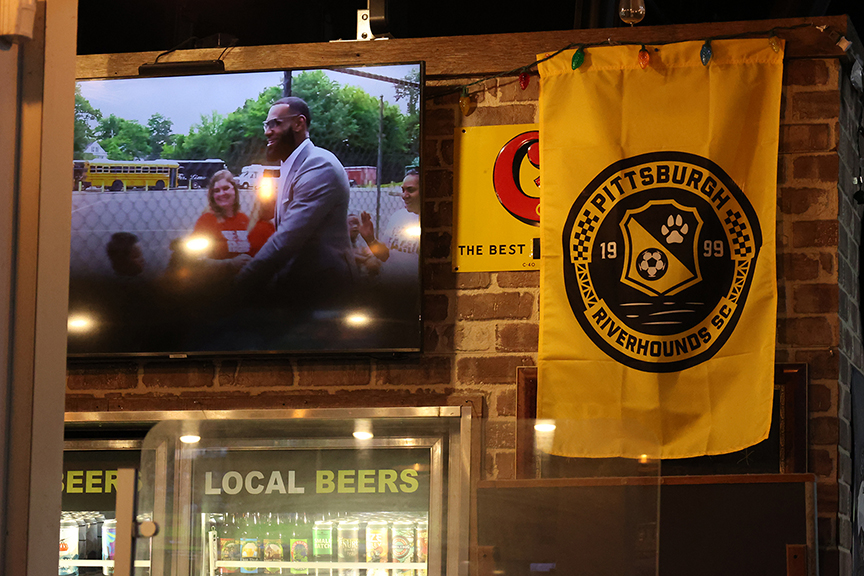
{"x":652,"y":264}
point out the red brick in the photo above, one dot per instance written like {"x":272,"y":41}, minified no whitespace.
{"x":488,"y":466}
{"x":113,"y":376}
{"x":436,"y":245}
{"x":435,"y":307}
{"x":825,"y":168}
{"x":519,"y":279}
{"x":826,"y":497}
{"x":827,"y":262}
{"x":500,"y":434}
{"x":162,"y":401}
{"x":430,"y":338}
{"x":805,"y":73}
{"x":178,"y":374}
{"x":821,"y":463}
{"x":425,"y":371}
{"x":797,"y":266}
{"x":490,"y":370}
{"x":824,"y":430}
{"x":510,"y":91}
{"x":818,"y":233}
{"x":447,"y":150}
{"x":255,"y":373}
{"x":85,"y":403}
{"x":440,"y":276}
{"x":521,"y":337}
{"x":443,"y":95}
{"x":815,"y":298}
{"x":805,"y":138}
{"x":440,"y":122}
{"x":826,"y":528}
{"x":438,"y":214}
{"x":492,"y":306}
{"x":830,"y":559}
{"x":430,"y":153}
{"x":505,"y":465}
{"x":373,"y":397}
{"x":438,"y":184}
{"x":782,"y":176}
{"x":799,"y":200}
{"x":505,"y":402}
{"x":498,"y":115}
{"x":815,"y":105}
{"x":821,"y":365}
{"x":807,"y":331}
{"x":333,"y":373}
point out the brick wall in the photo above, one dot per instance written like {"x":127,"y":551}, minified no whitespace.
{"x":818,"y":230}
{"x":480,"y":327}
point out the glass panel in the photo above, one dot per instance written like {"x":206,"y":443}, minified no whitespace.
{"x":314,"y":496}
{"x":87,"y":526}
{"x":554,"y":514}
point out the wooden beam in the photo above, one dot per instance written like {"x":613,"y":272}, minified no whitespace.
{"x":481,"y":55}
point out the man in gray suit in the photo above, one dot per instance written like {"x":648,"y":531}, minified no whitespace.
{"x":309,"y":256}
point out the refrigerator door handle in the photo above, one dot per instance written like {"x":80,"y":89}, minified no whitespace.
{"x":126,"y":529}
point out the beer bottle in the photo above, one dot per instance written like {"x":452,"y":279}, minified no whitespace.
{"x":249,"y":543}
{"x":271,"y":542}
{"x":229,"y":545}
{"x":301,"y":536}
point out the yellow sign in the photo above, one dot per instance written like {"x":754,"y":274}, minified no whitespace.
{"x":497,"y":198}
{"x":658,"y":291}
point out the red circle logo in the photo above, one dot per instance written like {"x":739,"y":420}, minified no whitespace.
{"x":506,"y":177}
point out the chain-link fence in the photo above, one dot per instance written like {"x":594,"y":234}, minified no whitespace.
{"x":157,"y":218}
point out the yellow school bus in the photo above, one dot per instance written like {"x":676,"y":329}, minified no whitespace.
{"x":119,"y":175}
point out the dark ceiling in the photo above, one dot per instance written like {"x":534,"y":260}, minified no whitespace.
{"x":137,"y":26}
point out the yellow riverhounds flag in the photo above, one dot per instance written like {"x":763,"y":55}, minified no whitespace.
{"x":658,"y":292}
{"x":497,"y":198}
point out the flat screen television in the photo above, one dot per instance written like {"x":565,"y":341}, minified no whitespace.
{"x":174,"y":198}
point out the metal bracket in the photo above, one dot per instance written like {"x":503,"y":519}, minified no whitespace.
{"x":364,"y":30}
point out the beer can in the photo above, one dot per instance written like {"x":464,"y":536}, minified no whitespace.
{"x":348,"y":545}
{"x":422,"y":544}
{"x":93,"y":537}
{"x":402,"y":545}
{"x":322,"y":545}
{"x":109,"y":534}
{"x":68,"y":545}
{"x":377,"y":546}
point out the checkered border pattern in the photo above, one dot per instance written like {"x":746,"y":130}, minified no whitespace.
{"x":582,"y":234}
{"x":741,"y":245}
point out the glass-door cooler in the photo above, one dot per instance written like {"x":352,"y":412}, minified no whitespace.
{"x":326,"y":492}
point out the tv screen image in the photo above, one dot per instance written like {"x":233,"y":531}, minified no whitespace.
{"x":188,"y":238}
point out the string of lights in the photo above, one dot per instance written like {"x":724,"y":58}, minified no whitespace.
{"x":467,"y":98}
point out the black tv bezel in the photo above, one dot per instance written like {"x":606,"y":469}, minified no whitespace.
{"x":189,"y":69}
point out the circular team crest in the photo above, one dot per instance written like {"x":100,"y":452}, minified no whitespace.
{"x":659,"y":255}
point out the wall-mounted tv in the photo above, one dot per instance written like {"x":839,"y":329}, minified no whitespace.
{"x":205,"y":223}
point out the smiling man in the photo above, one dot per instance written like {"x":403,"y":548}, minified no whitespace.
{"x":309,"y":256}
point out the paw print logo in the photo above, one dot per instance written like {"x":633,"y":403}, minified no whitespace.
{"x":675,"y":229}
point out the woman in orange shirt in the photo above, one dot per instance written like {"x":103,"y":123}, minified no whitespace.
{"x":223,"y":223}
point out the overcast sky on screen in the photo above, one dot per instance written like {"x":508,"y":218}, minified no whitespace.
{"x":184,"y":99}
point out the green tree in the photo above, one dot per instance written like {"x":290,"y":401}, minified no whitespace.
{"x":207,"y":138}
{"x":123,"y":139}
{"x":86,"y":118}
{"x":160,"y":134}
{"x":244,"y":133}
